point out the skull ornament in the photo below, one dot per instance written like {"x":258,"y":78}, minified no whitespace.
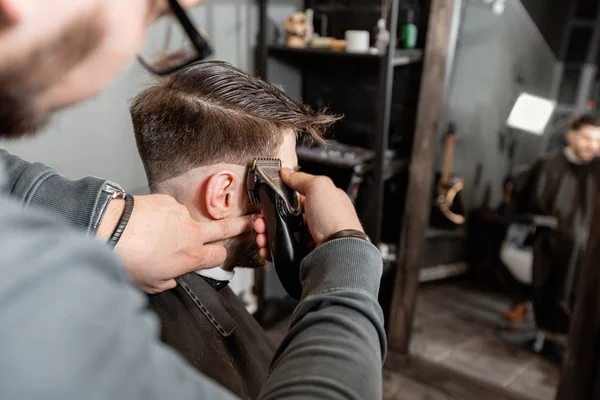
{"x":296,"y":27}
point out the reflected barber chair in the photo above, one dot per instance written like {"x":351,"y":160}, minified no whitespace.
{"x":517,"y":250}
{"x":530,"y":254}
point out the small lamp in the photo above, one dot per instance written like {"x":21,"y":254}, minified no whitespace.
{"x":531,"y":113}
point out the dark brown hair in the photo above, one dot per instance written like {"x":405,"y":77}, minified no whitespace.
{"x":212,"y":112}
{"x":584,"y":120}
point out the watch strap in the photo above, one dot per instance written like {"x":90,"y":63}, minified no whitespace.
{"x":354,"y":233}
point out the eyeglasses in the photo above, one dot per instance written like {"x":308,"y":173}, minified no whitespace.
{"x":173,"y":43}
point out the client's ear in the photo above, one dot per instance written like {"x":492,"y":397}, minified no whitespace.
{"x":223,"y":195}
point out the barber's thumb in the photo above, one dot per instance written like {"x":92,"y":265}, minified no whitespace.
{"x":294,"y":179}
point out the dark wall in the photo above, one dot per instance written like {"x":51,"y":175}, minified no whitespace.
{"x":550,"y":18}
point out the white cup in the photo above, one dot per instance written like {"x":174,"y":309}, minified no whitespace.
{"x":357,"y":41}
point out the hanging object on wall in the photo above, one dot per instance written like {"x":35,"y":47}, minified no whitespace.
{"x":448,"y":210}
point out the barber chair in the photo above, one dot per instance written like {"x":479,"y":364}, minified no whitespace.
{"x":338,"y":159}
{"x":351,"y":168}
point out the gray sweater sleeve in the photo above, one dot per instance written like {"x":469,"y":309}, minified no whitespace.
{"x":39,"y":186}
{"x":336,"y":343}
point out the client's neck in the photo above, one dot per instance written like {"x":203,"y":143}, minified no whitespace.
{"x":182,"y":196}
{"x":572,"y":157}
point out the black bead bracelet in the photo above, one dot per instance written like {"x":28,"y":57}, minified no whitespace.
{"x":122,"y":221}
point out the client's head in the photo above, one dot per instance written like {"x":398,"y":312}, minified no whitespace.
{"x":198,"y":130}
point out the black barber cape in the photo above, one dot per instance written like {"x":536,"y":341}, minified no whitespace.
{"x":209,"y":326}
{"x":559,"y":187}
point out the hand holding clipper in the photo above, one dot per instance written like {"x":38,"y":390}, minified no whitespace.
{"x":285,"y":222}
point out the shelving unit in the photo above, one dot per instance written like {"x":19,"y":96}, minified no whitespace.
{"x":425,"y":76}
{"x":401,"y":57}
{"x":383,"y":168}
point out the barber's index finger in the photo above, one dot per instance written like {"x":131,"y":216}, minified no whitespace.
{"x":225,"y":228}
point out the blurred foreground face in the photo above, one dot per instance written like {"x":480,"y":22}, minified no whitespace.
{"x":585,"y":142}
{"x":58,"y":52}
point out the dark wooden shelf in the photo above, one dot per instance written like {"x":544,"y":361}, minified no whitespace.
{"x":393,"y":164}
{"x":401,"y":57}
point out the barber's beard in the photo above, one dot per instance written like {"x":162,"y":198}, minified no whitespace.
{"x":242,"y":251}
{"x":37,"y":70}
{"x":18,"y":116}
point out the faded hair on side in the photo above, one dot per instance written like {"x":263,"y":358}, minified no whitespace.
{"x":212,"y":112}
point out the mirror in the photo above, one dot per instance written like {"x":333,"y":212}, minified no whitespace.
{"x":498,"y":286}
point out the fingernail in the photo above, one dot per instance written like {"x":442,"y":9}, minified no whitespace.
{"x":255,"y":217}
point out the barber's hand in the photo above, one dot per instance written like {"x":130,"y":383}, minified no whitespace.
{"x":327,"y":208}
{"x":161,"y":240}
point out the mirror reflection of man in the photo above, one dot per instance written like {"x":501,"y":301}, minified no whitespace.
{"x":562,"y":184}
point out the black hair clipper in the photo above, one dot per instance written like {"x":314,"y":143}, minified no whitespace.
{"x":285,"y":222}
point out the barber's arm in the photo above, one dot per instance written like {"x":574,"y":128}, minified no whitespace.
{"x":146,"y":247}
{"x":79,"y":203}
{"x":336,"y":343}
{"x":73,"y":327}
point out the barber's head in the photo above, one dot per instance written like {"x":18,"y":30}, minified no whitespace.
{"x":198,"y":130}
{"x":584,"y":137}
{"x":55,"y":53}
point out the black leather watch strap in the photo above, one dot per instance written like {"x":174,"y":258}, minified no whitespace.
{"x":349,"y":233}
{"x":114,"y":239}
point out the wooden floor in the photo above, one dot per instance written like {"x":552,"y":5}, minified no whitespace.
{"x":459,"y":352}
{"x":462,"y":329}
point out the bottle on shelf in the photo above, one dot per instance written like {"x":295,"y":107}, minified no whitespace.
{"x":409,"y":31}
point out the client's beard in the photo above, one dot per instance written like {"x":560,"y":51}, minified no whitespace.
{"x":242,"y":251}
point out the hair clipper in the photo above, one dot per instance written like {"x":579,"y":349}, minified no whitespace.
{"x":285,"y":222}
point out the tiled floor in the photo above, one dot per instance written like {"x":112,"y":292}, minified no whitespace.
{"x":459,"y":329}
{"x":462,"y":329}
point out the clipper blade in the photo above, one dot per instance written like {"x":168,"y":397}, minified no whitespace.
{"x":262,"y":169}
{"x":266,"y":162}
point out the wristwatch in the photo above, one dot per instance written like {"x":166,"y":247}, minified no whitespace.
{"x":109,"y":192}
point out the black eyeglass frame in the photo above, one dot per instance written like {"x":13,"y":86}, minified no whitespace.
{"x":202,"y":46}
